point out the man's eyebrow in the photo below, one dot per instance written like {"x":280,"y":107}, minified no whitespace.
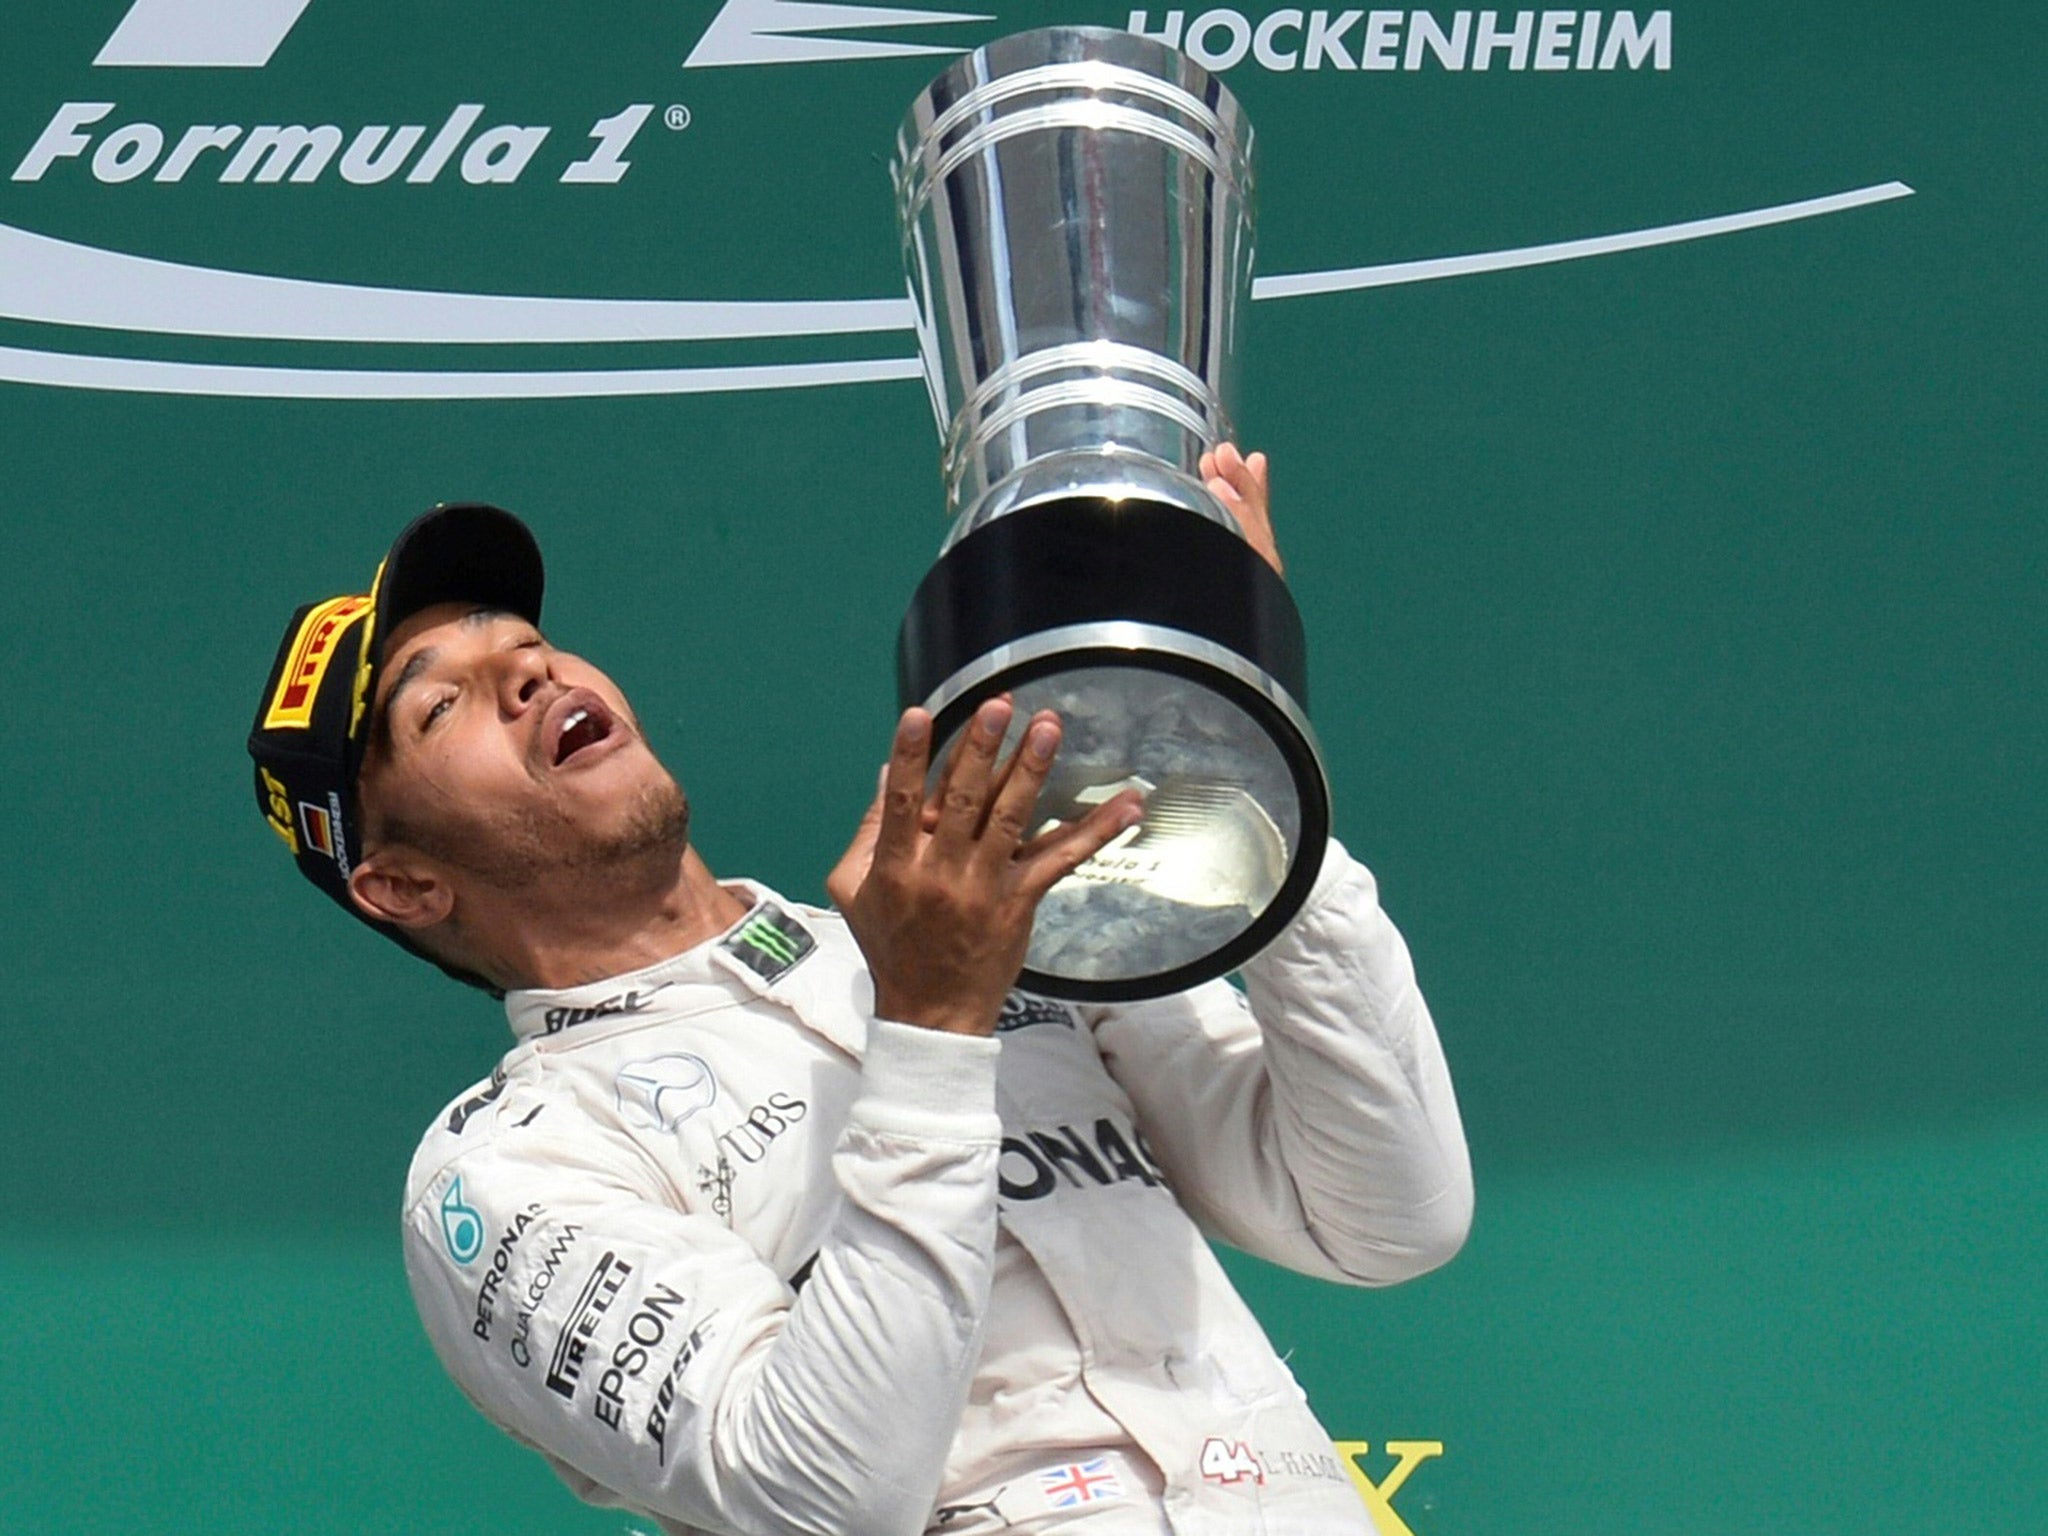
{"x":415,"y":664}
{"x":418,"y":662}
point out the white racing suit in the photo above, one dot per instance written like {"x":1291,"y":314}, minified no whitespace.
{"x":735,"y":1254}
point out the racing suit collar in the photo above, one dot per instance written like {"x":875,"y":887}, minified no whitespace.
{"x":760,"y":955}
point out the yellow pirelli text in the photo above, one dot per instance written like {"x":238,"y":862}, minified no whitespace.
{"x":313,"y":648}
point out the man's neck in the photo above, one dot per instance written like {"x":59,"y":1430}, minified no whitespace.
{"x":589,"y":936}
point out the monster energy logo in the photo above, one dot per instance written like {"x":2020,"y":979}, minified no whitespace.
{"x":769,"y":943}
{"x":770,"y":940}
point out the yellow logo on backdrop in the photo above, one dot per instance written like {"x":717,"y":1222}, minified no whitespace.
{"x":298,"y":685}
{"x":1379,"y":1496}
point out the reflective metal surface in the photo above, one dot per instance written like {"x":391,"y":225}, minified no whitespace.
{"x":971,"y":682}
{"x":1224,"y":802}
{"x":1077,"y":214}
{"x":1076,"y":207}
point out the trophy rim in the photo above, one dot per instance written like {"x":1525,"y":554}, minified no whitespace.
{"x":1175,"y":653}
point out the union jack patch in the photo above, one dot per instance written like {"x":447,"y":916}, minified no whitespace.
{"x":1078,"y":1483}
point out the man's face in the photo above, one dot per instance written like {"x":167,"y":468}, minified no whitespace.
{"x":508,"y":760}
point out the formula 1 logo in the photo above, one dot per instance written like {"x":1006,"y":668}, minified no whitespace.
{"x":220,"y":34}
{"x":465,"y":149}
{"x":244,"y":34}
{"x":784,"y":32}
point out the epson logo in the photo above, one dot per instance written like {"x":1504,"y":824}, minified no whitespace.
{"x":645,"y":1330}
{"x":274,"y":152}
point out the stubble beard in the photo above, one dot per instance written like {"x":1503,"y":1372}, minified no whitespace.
{"x":531,"y":852}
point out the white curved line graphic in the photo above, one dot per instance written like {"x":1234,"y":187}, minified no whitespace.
{"x":1348,"y":278}
{"x":70,"y":370}
{"x":80,"y":285}
{"x":62,"y":283}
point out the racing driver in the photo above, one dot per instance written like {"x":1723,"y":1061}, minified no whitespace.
{"x":779,"y":1218}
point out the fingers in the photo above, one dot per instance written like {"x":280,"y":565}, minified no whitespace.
{"x":1234,"y":477}
{"x":964,"y":798}
{"x":937,"y":797}
{"x":1230,"y":479}
{"x":1241,"y":484}
{"x":1009,"y":813}
{"x":902,"y":797}
{"x":1047,"y":860}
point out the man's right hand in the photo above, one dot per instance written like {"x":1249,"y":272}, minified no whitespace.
{"x":943,"y":911}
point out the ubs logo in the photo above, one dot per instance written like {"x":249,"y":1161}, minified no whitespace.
{"x":750,"y":1140}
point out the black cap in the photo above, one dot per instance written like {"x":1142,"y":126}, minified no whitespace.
{"x":313,"y":720}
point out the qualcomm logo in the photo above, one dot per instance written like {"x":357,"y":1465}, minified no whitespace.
{"x":244,"y":34}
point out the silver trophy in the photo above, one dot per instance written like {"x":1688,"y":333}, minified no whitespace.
{"x":1076,"y":206}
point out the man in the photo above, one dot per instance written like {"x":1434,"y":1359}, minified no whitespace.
{"x":784,"y":1220}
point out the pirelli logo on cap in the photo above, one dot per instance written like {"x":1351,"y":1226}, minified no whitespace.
{"x":319,"y":637}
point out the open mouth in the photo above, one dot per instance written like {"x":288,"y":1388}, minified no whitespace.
{"x":584,"y":723}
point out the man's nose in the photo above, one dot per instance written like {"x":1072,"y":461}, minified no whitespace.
{"x":522,"y":678}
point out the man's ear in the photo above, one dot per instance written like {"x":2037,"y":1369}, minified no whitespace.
{"x":407,"y":892}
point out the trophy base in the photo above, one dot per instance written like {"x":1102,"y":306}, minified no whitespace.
{"x":1175,"y":659}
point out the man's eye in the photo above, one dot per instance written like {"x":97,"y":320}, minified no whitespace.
{"x":440,"y":707}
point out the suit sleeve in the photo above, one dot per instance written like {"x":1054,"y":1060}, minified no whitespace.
{"x":661,"y":1364}
{"x":1309,"y":1120}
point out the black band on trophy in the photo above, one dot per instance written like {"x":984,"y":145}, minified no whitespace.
{"x":1087,"y":560}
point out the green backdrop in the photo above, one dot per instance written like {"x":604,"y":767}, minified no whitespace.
{"x":1676,"y":626}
